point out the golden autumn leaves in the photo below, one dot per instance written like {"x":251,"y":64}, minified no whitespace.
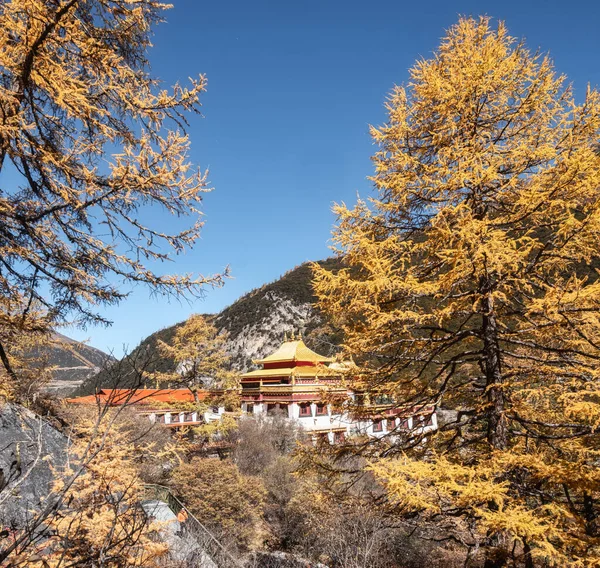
{"x":471,"y":279}
{"x":92,"y":142}
{"x":88,"y":141}
{"x":471,"y":284}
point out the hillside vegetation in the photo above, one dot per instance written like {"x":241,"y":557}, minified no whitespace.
{"x":255,"y":324}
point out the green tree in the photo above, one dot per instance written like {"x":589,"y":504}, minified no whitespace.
{"x":471,"y":283}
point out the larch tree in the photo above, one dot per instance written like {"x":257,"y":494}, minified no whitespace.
{"x":471,"y":284}
{"x":88,"y":141}
{"x":94,"y":517}
{"x":198,"y":350}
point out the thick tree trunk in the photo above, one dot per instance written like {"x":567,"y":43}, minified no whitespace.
{"x":496,"y":428}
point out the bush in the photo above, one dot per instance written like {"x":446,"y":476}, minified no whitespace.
{"x":226,"y":501}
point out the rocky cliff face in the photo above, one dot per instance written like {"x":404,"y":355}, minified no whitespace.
{"x":31,"y":451}
{"x":256,"y":339}
{"x":257,"y":322}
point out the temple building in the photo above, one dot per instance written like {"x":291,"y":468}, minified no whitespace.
{"x":293,"y":381}
{"x":162,"y":406}
{"x":310,"y":388}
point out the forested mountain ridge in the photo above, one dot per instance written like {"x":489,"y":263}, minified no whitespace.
{"x":255,"y":324}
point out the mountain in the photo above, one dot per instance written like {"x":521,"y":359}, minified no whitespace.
{"x":74,"y":362}
{"x":255,"y":324}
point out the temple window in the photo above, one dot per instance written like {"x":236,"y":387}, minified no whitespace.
{"x":378,"y":426}
{"x":305,"y":410}
{"x":271,"y":408}
{"x":250,"y":408}
{"x":321,"y":409}
{"x":391,"y":424}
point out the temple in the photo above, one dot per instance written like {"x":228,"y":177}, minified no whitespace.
{"x":293,"y":381}
{"x":310,"y":388}
{"x":162,"y":406}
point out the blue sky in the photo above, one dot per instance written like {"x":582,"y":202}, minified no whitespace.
{"x":292,"y":89}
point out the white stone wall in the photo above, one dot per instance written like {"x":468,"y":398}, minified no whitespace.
{"x":329,"y":422}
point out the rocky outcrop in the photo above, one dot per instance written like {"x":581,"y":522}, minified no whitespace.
{"x":31,"y":453}
{"x":259,"y":338}
{"x":257,"y":322}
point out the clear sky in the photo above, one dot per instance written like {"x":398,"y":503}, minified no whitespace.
{"x":292,"y":89}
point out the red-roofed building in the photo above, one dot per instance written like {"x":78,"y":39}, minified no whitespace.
{"x":296,"y":382}
{"x":159,"y":405}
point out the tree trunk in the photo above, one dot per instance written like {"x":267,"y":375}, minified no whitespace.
{"x":6,"y":364}
{"x":496,"y":425}
{"x":496,"y":428}
{"x":589,"y":511}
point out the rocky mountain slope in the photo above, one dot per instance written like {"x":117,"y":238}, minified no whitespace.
{"x":73,"y":363}
{"x":255,"y":324}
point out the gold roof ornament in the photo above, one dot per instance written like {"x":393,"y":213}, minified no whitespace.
{"x":293,"y":350}
{"x":302,"y":372}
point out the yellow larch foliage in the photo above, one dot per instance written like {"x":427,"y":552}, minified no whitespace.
{"x":25,"y":337}
{"x":93,"y":515}
{"x":201,"y":361}
{"x":472,"y":284}
{"x":88,"y":142}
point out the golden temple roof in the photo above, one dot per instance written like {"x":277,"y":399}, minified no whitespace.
{"x":294,"y":350}
{"x":319,"y":371}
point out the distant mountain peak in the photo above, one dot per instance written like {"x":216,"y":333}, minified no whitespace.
{"x":73,"y":363}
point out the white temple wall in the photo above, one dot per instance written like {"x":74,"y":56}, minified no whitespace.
{"x":327,"y":423}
